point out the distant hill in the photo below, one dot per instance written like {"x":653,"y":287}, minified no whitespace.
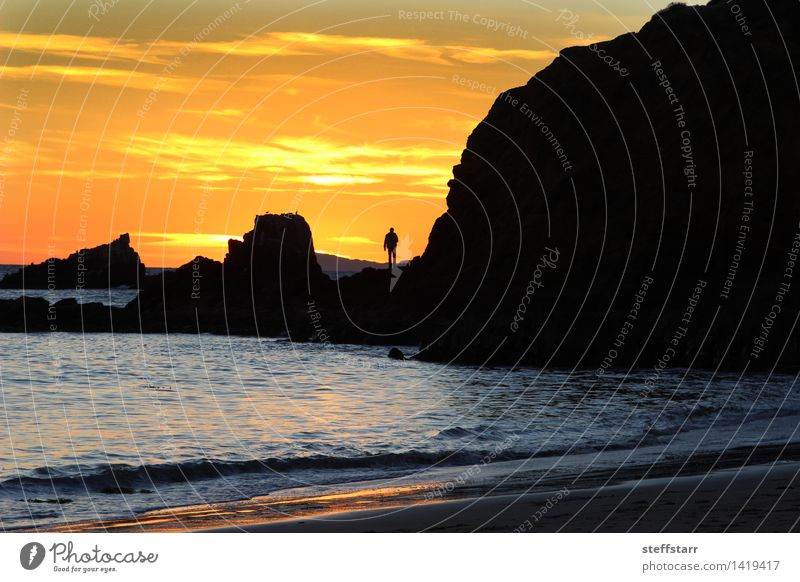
{"x":336,"y":267}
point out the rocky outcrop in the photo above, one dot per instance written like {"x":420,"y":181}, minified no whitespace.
{"x":170,"y":300}
{"x":115,"y":264}
{"x":275,"y":258}
{"x":262,"y":286}
{"x":35,"y":314}
{"x":645,"y":217}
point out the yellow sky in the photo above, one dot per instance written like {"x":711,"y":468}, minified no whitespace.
{"x":180,"y":120}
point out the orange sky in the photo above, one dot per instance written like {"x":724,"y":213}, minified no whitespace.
{"x":179,"y":120}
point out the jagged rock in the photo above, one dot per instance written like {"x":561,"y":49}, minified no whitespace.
{"x":115,"y":264}
{"x":262,"y":286}
{"x":14,"y":313}
{"x":276,"y":256}
{"x":198,"y":281}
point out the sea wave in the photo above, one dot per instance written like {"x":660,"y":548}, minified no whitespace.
{"x":121,"y":477}
{"x":480,"y":432}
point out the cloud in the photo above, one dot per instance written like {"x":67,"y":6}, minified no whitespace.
{"x":306,"y":44}
{"x":84,"y":174}
{"x":294,"y":160}
{"x":227,"y":112}
{"x":481,"y":55}
{"x":92,"y":76}
{"x":272,"y":44}
{"x":353,"y":240}
{"x":410,"y":193}
{"x":568,"y":41}
{"x":183,"y":239}
{"x":433,"y":182}
{"x":75,"y":46}
{"x":172,"y":65}
{"x":335,"y":180}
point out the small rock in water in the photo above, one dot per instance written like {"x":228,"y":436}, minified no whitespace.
{"x":157,"y":388}
{"x":117,"y":490}
{"x":396,"y":354}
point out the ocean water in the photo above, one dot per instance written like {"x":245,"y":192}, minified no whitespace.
{"x":115,"y":297}
{"x":102,"y":426}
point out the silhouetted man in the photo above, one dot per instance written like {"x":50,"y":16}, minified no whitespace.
{"x":390,"y":244}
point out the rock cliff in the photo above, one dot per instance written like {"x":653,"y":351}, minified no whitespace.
{"x":603,"y":217}
{"x":262,"y":286}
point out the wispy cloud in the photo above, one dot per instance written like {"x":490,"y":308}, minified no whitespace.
{"x":306,"y":44}
{"x":74,"y":46}
{"x":183,"y":239}
{"x":336,"y":179}
{"x":323,"y":163}
{"x":227,"y":112}
{"x":92,"y":76}
{"x":353,"y":240}
{"x":277,"y":44}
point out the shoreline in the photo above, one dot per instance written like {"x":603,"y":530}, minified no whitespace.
{"x":763,"y":498}
{"x":757,"y":493}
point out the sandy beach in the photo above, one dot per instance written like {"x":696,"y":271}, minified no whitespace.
{"x":759,"y":498}
{"x":762,"y":496}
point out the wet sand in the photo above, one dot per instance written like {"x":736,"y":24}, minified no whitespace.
{"x":762,"y":498}
{"x":747,"y":489}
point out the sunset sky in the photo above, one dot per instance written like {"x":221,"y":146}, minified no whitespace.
{"x":178,"y":121}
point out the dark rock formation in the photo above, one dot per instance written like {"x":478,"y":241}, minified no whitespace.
{"x":666,"y":191}
{"x":34,"y":314}
{"x":171,"y":300}
{"x":262,"y":287}
{"x":110,"y":265}
{"x":276,"y":257}
{"x":15,"y":312}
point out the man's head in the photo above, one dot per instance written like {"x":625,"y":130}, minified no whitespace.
{"x":391,"y":229}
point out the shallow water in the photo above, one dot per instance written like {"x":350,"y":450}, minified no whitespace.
{"x":99,"y":425}
{"x":115,"y":297}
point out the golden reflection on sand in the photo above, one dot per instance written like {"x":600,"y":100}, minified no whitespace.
{"x":255,"y":510}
